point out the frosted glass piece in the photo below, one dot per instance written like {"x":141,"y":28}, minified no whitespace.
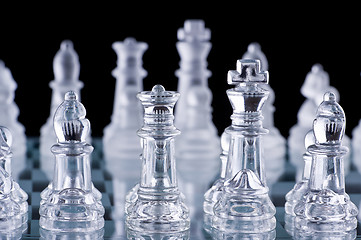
{"x":9,"y":113}
{"x":13,"y":200}
{"x":66,"y":69}
{"x":316,"y":84}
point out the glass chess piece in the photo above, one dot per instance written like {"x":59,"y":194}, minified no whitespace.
{"x":158,"y":207}
{"x":213,"y":194}
{"x":196,"y":151}
{"x":66,"y":69}
{"x":193,"y":49}
{"x":326,"y":207}
{"x":300,"y":188}
{"x":341,"y":235}
{"x":95,"y":235}
{"x":273,"y":143}
{"x":121,"y":145}
{"x":70,"y":204}
{"x":316,"y":84}
{"x":134,"y":235}
{"x":9,"y":113}
{"x":219,"y":235}
{"x":244,"y":205}
{"x":13,"y":200}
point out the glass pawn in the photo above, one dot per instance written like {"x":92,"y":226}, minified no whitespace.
{"x":244,"y":205}
{"x":13,"y":200}
{"x":158,"y":207}
{"x":213,"y":194}
{"x":70,"y":204}
{"x":326,"y":207}
{"x":300,"y":188}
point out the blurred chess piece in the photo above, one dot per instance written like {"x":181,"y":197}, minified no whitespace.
{"x":197,"y":149}
{"x":95,"y":235}
{"x":121,"y":144}
{"x":326,"y":207}
{"x":141,"y":235}
{"x":13,"y":200}
{"x":219,"y":235}
{"x":316,"y":84}
{"x":273,"y":143}
{"x":9,"y":113}
{"x":294,"y":196}
{"x":66,"y":68}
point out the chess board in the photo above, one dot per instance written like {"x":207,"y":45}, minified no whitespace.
{"x":33,"y":180}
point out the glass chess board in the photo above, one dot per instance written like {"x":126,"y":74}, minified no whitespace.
{"x":33,"y":180}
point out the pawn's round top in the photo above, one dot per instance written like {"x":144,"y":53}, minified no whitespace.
{"x":70,"y":124}
{"x":330,"y":122}
{"x":66,"y":63}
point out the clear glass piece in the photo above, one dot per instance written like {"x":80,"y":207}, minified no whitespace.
{"x":316,"y":84}
{"x":13,"y":200}
{"x":71,"y":203}
{"x":159,"y":207}
{"x":326,"y":207}
{"x":244,"y":205}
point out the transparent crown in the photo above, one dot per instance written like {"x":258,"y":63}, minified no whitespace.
{"x":246,"y":78}
{"x":70,"y":124}
{"x":194,"y":30}
{"x":329,"y":125}
{"x":66,"y":63}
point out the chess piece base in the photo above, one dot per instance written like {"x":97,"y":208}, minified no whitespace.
{"x":71,"y":210}
{"x":151,"y":215}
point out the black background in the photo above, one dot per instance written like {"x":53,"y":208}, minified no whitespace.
{"x":293,"y":37}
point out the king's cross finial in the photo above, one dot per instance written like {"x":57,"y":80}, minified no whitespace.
{"x":248,"y":70}
{"x":194,"y":30}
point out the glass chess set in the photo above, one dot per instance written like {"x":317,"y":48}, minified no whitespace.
{"x":162,"y":172}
